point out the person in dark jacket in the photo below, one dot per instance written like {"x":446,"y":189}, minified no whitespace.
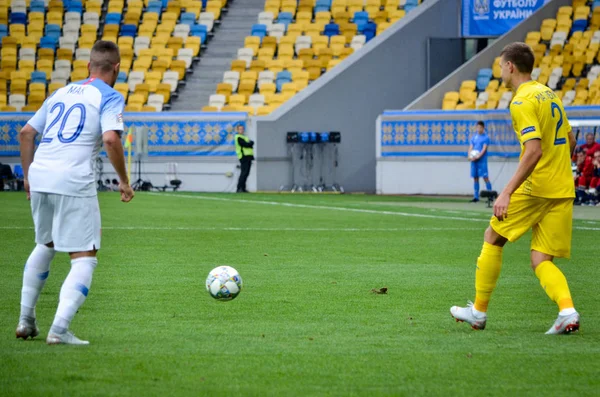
{"x":245,"y":152}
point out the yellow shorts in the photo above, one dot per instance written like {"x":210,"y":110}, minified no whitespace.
{"x":551,"y":221}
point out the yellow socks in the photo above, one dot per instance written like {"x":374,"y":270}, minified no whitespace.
{"x":553,"y":281}
{"x":489,"y":264}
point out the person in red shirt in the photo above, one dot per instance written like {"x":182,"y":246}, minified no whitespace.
{"x":589,"y":147}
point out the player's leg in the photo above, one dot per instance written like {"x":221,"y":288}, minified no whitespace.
{"x":489,"y":264}
{"x":37,"y":267}
{"x":475,"y":177}
{"x":79,"y":234}
{"x":552,"y":237}
{"x":483,"y":172}
{"x":485,"y":175}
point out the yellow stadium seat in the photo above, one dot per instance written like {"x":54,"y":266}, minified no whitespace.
{"x":64,"y":54}
{"x":133,"y":108}
{"x":224,"y":89}
{"x":306,"y":54}
{"x":238,"y":66}
{"x":269,"y":42}
{"x":275,"y":65}
{"x":267,"y":88}
{"x":246,"y":88}
{"x":18,"y":86}
{"x":237,"y":100}
{"x":257,"y":66}
{"x":252,"y":42}
{"x":265,"y":54}
{"x":193,"y":43}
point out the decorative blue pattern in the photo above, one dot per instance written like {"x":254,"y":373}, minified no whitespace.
{"x":169,"y":134}
{"x":446,"y":133}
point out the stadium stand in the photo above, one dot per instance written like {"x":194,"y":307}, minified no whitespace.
{"x":293,"y":43}
{"x":46,"y":44}
{"x":566,"y":60}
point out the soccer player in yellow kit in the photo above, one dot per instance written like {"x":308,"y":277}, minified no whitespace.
{"x":539,"y":196}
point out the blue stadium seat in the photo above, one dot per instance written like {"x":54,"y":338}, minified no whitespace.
{"x":259,"y":30}
{"x":579,"y":25}
{"x":113,"y":18}
{"x":165,"y":3}
{"x":48,"y":42}
{"x":199,"y":31}
{"x":285,"y":18}
{"x":122,"y":77}
{"x":75,"y":6}
{"x":18,"y":172}
{"x":128,"y":30}
{"x":322,"y":5}
{"x":282,"y":77}
{"x":155,"y":6}
{"x":595,"y":4}
{"x":18,"y":17}
{"x":37,"y":6}
{"x":483,"y":79}
{"x":52,"y":31}
{"x":361,"y":18}
{"x":412,"y":3}
{"x":38,"y":77}
{"x":332,"y":29}
{"x":409,"y":7}
{"x":369,"y":30}
{"x":189,"y":18}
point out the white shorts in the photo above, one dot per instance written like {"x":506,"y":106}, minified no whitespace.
{"x":71,"y":223}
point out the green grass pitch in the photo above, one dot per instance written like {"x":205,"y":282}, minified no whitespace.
{"x":306,"y":321}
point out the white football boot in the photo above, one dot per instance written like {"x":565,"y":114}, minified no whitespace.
{"x":65,"y":339}
{"x":565,"y":324}
{"x":465,"y":314}
{"x":27,"y":329}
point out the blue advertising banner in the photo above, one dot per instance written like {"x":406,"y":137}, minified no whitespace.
{"x":169,"y":133}
{"x":443,"y":133}
{"x":495,"y":17}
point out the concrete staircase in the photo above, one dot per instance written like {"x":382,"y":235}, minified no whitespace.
{"x":216,"y":59}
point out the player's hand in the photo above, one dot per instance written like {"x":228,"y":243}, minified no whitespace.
{"x":126,"y":192}
{"x":26,"y":187}
{"x":501,"y":206}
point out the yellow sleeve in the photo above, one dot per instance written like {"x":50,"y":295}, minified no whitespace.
{"x":525,"y":120}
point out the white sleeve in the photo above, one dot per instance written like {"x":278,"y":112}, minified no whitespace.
{"x":38,"y":121}
{"x":111,"y":113}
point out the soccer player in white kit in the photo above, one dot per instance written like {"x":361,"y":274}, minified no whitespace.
{"x":60,"y":182}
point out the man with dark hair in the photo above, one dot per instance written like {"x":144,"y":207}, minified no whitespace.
{"x":245,"y":152}
{"x":538,"y":197}
{"x":478,"y":158}
{"x":59,"y":181}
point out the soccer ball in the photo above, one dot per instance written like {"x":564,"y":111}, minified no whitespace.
{"x":224,"y":283}
{"x":473,"y":154}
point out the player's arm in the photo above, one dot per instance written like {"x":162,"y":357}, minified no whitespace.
{"x":527,"y":126}
{"x":27,"y":148}
{"x":483,"y":150}
{"x":27,"y":142}
{"x":572,"y":142}
{"x":530,"y":159}
{"x":111,"y":122}
{"x":116,"y":155}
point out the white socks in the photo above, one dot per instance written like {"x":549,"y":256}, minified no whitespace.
{"x":566,"y":312}
{"x":73,"y":292}
{"x":37,"y":269}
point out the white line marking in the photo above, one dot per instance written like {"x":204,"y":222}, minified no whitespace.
{"x":360,"y":210}
{"x":285,"y":229}
{"x":325,"y":207}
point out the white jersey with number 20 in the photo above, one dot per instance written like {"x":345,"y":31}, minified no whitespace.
{"x":72,"y":122}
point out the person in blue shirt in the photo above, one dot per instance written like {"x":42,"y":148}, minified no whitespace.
{"x":479,"y":165}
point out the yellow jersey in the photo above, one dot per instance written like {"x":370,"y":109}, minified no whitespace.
{"x":537,"y":113}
